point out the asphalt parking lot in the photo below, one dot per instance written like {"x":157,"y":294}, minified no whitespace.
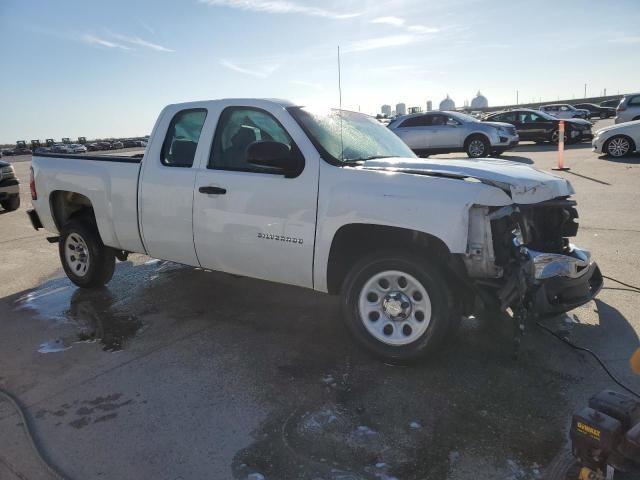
{"x":178,"y":373}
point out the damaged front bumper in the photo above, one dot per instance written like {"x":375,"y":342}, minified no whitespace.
{"x":560,"y":283}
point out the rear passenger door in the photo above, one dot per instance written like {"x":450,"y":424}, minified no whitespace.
{"x":165,"y":188}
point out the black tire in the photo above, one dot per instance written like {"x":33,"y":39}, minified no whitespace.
{"x":470,"y":146}
{"x":101,"y":262}
{"x":618,"y":140}
{"x":555,"y":135}
{"x":440,"y":324}
{"x":12,"y":203}
{"x":563,"y":467}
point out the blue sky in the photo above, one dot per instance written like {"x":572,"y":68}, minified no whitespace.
{"x":106,"y":68}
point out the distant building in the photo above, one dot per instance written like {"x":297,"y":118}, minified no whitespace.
{"x":386,"y":110}
{"x":415,"y":110}
{"x":447,"y":104}
{"x":429,"y":105}
{"x":401,"y":109}
{"x":393,"y":113}
{"x":479,"y":101}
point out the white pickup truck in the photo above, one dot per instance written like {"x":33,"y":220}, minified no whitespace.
{"x":332,"y":201}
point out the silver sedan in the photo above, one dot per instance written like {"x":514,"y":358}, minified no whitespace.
{"x":445,"y":132}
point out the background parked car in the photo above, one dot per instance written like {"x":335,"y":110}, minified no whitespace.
{"x":92,"y":147}
{"x":618,"y":140}
{"x":60,"y":148}
{"x":42,"y":150}
{"x":77,"y":148}
{"x":9,"y":187}
{"x":443,"y":132}
{"x":539,"y":126}
{"x":629,"y":108}
{"x":610,"y":103}
{"x":116,"y":144}
{"x":597,"y":110}
{"x":104,"y":145}
{"x":564,"y":111}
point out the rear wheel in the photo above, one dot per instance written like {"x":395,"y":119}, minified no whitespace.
{"x":86,"y":260}
{"x":477,"y":146}
{"x":618,"y":146}
{"x":12,"y":203}
{"x":397,"y":306}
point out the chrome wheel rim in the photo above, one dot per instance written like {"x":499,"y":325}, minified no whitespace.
{"x":476,"y":148}
{"x":76,"y":254}
{"x":618,"y":147}
{"x":394,"y":308}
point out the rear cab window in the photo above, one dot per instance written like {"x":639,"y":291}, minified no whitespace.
{"x":181,"y":141}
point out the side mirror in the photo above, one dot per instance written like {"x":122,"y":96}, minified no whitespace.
{"x":276,"y":155}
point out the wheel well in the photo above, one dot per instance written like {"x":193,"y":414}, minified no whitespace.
{"x":351,"y":242}
{"x":637,"y":117}
{"x":476,"y":135}
{"x":66,"y":205}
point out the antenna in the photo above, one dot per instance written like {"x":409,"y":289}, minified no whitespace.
{"x":340,"y":106}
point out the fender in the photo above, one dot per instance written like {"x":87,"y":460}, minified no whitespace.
{"x":434,"y":205}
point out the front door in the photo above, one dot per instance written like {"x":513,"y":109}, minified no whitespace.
{"x":250,"y":220}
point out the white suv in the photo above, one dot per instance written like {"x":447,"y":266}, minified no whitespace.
{"x":628,"y":109}
{"x":564,"y":110}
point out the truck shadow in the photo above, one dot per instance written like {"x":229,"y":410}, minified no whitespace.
{"x":336,"y":412}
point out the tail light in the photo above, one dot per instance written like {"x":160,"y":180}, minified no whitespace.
{"x":620,"y":108}
{"x":32,"y":186}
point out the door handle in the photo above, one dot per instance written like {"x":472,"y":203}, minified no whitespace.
{"x":212,"y":190}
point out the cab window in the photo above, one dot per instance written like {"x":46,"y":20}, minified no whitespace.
{"x":238,"y":128}
{"x":181,"y":141}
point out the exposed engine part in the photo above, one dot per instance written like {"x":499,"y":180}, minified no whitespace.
{"x":480,"y":259}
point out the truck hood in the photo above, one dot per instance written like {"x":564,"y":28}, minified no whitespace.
{"x":524,"y":184}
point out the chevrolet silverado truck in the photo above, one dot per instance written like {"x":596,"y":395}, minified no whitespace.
{"x":331,"y":201}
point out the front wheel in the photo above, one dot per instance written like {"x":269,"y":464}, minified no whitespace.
{"x":555,"y":137}
{"x":12,"y":203}
{"x":86,"y":260}
{"x":397,"y":306}
{"x":477,"y":147}
{"x":618,"y":146}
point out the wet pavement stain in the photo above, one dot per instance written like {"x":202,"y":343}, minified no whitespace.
{"x":107,"y":316}
{"x":366,"y":420}
{"x":98,"y":405}
{"x":104,"y":418}
{"x":79,"y":422}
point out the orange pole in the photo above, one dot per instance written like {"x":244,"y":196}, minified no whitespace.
{"x":561,"y":147}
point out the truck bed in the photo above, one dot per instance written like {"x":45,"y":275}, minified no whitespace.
{"x":110,"y":182}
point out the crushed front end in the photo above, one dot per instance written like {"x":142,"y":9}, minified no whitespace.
{"x":521,"y":256}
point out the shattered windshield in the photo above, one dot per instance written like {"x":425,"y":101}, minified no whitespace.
{"x":343,"y":136}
